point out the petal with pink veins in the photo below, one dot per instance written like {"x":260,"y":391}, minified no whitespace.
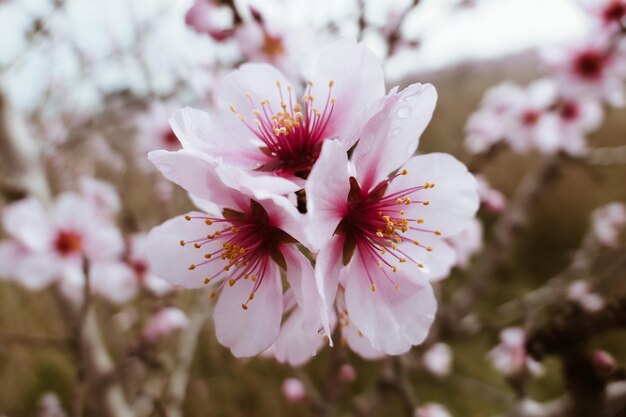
{"x":450,"y":204}
{"x":396,"y":315}
{"x":390,"y":137}
{"x":253,"y":330}
{"x":172,"y":261}
{"x":327,"y":191}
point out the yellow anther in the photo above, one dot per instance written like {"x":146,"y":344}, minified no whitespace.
{"x":240,"y":117}
{"x":383,"y":250}
{"x":437,"y":232}
{"x":429,"y":248}
{"x":333,"y":100}
{"x":397,"y":286}
{"x":379,"y":233}
{"x":253,"y":278}
{"x":331,"y":84}
{"x":394,"y":268}
{"x":218,"y":233}
{"x":380,"y":264}
{"x":310,"y":83}
{"x":196,"y":245}
{"x":248,"y":94}
{"x":427,"y":185}
{"x":246,"y":276}
{"x":182,"y":243}
{"x":212,"y":294}
{"x":245,"y":307}
{"x":407,"y":201}
{"x":426,"y":203}
{"x":191,"y":267}
{"x":231,"y":282}
{"x":251,"y":297}
{"x":234,"y":229}
{"x":187,"y":218}
{"x":404,"y":172}
{"x":402,"y":260}
{"x":399,"y":201}
{"x":278,"y":83}
{"x":232,"y":108}
{"x":419,"y":221}
{"x":373,"y":287}
{"x":420,"y":265}
{"x":208,"y":222}
{"x":402,"y":212}
{"x":394,"y":246}
{"x":207,"y":280}
{"x":227,"y":268}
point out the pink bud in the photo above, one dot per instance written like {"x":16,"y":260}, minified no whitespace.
{"x":294,"y":390}
{"x":347,"y":373}
{"x":604,"y":361}
{"x":164,"y":322}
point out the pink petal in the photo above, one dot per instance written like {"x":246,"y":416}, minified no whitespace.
{"x":391,"y":136}
{"x":198,"y":176}
{"x":328,"y":267}
{"x":301,"y":278}
{"x":327,"y":191}
{"x":293,"y":345}
{"x":171,"y":261}
{"x":359,"y":343}
{"x":114,"y":281}
{"x":452,"y":203}
{"x":354,"y":90}
{"x":436,"y":263}
{"x":259,"y":80}
{"x":393,"y":319}
{"x":249,"y":332}
{"x":257,"y":184}
{"x":28,"y":222}
{"x":37,"y":271}
{"x":102,"y":242}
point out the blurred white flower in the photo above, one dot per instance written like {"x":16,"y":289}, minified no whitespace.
{"x":438,"y":360}
{"x":607,"y":223}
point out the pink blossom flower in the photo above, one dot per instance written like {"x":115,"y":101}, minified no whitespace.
{"x":121,"y":281}
{"x":50,"y":406}
{"x":580,"y":293}
{"x":347,"y":373}
{"x":510,"y":358}
{"x":206,"y":17}
{"x":239,"y":248}
{"x":271,"y":141}
{"x":432,"y":410}
{"x":590,"y":69}
{"x":438,"y":359}
{"x":607,"y":223}
{"x":467,"y":243}
{"x":53,"y":246}
{"x":380,"y":236}
{"x":163,"y":323}
{"x":294,"y":390}
{"x":100,"y":195}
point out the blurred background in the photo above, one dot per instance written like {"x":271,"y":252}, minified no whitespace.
{"x":86,"y":90}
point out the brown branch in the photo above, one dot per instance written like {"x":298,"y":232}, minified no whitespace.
{"x":34,"y":340}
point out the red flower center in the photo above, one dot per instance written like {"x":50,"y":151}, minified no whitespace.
{"x":569,"y":111}
{"x":614,"y":12}
{"x":68,"y":243}
{"x":292,"y":135}
{"x":249,"y":243}
{"x":590,"y":64}
{"x":530,"y":117}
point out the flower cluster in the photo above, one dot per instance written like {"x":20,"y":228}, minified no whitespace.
{"x":557,"y":113}
{"x":285,"y":176}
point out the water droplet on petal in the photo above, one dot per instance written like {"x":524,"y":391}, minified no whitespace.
{"x":404,"y":112}
{"x":165,"y":168}
{"x":414,"y":94}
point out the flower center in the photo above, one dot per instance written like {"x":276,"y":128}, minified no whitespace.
{"x":293,"y":135}
{"x":272,"y":46}
{"x":569,"y":111}
{"x":376,"y":224}
{"x":169,"y":139}
{"x":530,"y":117}
{"x":68,"y":243}
{"x":248,"y":243}
{"x":590,"y":64}
{"x":615,"y":11}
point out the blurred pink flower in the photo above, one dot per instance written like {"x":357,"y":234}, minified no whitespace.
{"x":154,"y":131}
{"x":432,"y":410}
{"x":277,"y":147}
{"x":509,"y":357}
{"x":376,"y":231}
{"x":207,"y":17}
{"x":53,"y":245}
{"x":163,"y":323}
{"x":609,"y":14}
{"x":579,"y":292}
{"x":240,"y":248}
{"x":589,"y":69}
{"x":294,"y":390}
{"x":608,"y":222}
{"x":347,"y":373}
{"x":438,"y":359}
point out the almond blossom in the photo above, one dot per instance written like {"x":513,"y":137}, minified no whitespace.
{"x":607,"y":223}
{"x":207,"y":17}
{"x":609,"y":14}
{"x":164,"y":322}
{"x":47,"y":247}
{"x":510,"y":358}
{"x":379,"y":234}
{"x":264,"y":136}
{"x":238,"y":246}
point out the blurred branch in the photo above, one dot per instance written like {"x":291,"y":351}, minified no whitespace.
{"x":35,"y":340}
{"x":497,"y":251}
{"x":397,"y":380}
{"x":607,"y":156}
